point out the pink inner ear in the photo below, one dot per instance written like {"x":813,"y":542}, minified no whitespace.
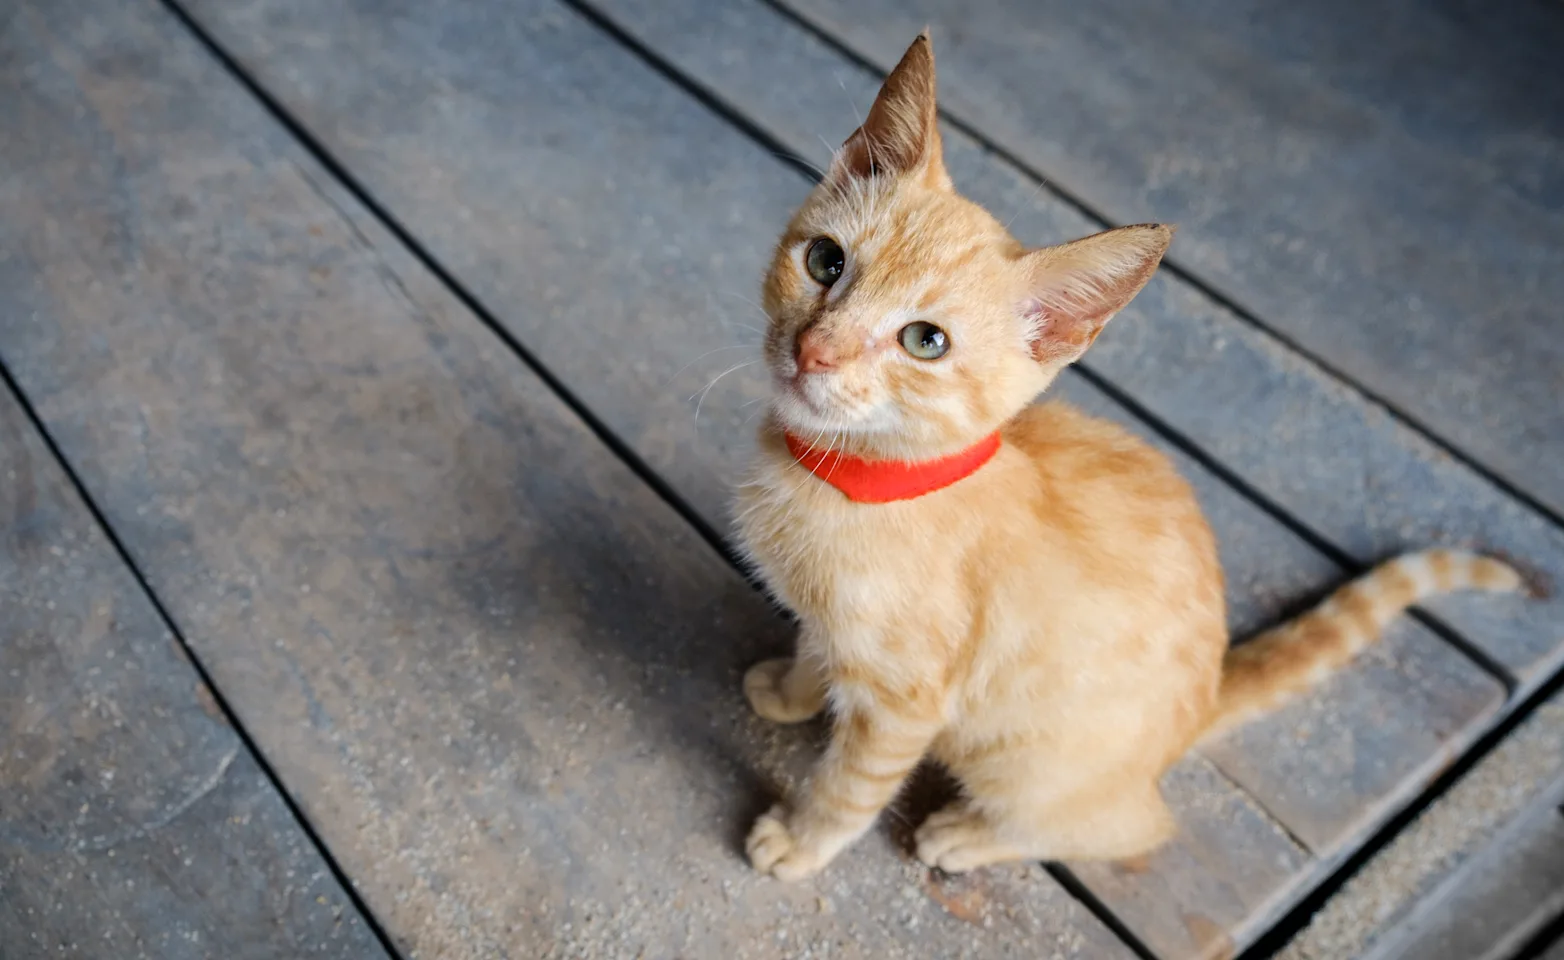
{"x":1062,"y":331}
{"x":1079,"y":286}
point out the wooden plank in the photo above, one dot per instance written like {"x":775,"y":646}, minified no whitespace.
{"x":1408,"y":887}
{"x":1333,"y":765}
{"x":1418,"y":247}
{"x":1218,"y":884}
{"x":1502,"y":901}
{"x":308,"y":59}
{"x":498,"y":673}
{"x":133,"y":820}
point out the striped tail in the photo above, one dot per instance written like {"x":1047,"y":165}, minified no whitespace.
{"x":1260,"y":675}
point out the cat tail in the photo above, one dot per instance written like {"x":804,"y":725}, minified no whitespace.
{"x":1260,"y":675}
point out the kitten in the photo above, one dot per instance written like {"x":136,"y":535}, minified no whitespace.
{"x":1028,"y":595}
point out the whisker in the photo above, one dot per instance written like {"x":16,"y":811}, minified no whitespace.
{"x":848,"y":97}
{"x":713,"y":383}
{"x":736,"y":346}
{"x":839,"y":436}
{"x":827,"y":455}
{"x":830,"y":151}
{"x":1037,"y":188}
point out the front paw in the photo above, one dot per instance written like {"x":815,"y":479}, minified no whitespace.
{"x":957,"y":839}
{"x":772,"y":849}
{"x":766,"y":688}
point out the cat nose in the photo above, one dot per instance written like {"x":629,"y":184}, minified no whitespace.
{"x":813,"y":355}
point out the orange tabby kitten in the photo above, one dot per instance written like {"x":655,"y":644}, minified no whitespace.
{"x":1026,"y":594}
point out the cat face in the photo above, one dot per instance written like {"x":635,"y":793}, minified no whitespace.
{"x":895,"y":317}
{"x":905,"y":321}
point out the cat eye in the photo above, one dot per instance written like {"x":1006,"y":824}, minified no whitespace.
{"x":825,"y":260}
{"x":924,"y":340}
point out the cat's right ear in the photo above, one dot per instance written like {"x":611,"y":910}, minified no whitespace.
{"x":900,"y":137}
{"x":1077,"y":287}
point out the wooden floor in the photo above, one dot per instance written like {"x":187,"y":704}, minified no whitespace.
{"x":363,"y":480}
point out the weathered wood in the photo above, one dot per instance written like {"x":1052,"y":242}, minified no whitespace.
{"x":498,"y":674}
{"x":133,"y":821}
{"x":1502,"y":901}
{"x":1416,"y":243}
{"x":308,"y":59}
{"x":1333,"y":765}
{"x":1408,"y":887}
{"x":1216,"y":886}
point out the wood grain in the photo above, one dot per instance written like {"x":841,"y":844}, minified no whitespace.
{"x":1500,"y":902}
{"x":1217,"y":885}
{"x":134,"y":823}
{"x":499,"y":674}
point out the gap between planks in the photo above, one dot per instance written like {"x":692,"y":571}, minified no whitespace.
{"x":246,"y":742}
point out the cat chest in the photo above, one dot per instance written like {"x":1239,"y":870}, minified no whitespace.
{"x":841,"y":571}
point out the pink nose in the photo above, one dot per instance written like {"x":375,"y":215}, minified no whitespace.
{"x":813,"y":354}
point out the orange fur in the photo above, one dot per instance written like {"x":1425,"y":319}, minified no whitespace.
{"x":1052,"y":627}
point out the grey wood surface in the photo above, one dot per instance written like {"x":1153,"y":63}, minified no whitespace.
{"x":1381,"y":182}
{"x":325,"y":65}
{"x":134,"y":823}
{"x":1415,"y":885}
{"x":1218,"y":884}
{"x":499,"y":675}
{"x":1500,"y":902}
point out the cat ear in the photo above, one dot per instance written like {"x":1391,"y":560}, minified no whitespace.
{"x":1077,"y":287}
{"x":901,"y":134}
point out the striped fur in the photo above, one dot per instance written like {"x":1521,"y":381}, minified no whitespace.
{"x":1260,"y":675}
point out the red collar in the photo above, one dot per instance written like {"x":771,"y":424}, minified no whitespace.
{"x":885,"y":481}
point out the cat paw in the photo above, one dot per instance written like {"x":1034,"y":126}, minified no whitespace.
{"x":773,"y":850}
{"x":766,"y":691}
{"x":957,"y":839}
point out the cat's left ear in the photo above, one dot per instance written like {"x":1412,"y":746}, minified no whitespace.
{"x":900,"y":136}
{"x":1077,"y":287}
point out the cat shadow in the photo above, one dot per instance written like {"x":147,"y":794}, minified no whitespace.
{"x":605,"y":590}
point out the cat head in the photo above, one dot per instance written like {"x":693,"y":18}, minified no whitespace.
{"x":905,"y":321}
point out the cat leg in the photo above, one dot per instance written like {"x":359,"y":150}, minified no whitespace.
{"x":1084,"y":826}
{"x":785,"y":690}
{"x":872,"y":751}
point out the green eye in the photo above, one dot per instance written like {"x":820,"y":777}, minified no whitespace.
{"x":924,"y":340}
{"x":825,"y":260}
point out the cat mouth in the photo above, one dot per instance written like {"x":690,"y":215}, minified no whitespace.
{"x":801,"y":402}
